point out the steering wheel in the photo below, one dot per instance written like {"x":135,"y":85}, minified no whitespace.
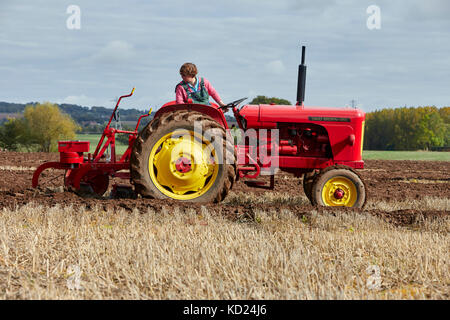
{"x":233,"y":104}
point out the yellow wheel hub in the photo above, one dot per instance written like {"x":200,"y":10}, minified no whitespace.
{"x":339,"y":191}
{"x":183,"y":166}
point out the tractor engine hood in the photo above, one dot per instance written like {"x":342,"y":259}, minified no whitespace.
{"x":265,"y":115}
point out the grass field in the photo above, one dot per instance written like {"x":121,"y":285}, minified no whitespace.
{"x":95,"y":138}
{"x":367,"y":154}
{"x":406,"y":155}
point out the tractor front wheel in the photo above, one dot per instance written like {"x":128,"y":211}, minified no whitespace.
{"x":308,"y":180}
{"x":338,"y":186}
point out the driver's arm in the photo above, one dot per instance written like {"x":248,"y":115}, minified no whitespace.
{"x":180,"y":95}
{"x":213,"y":93}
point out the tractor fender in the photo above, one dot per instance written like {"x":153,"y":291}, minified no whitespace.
{"x":213,"y":111}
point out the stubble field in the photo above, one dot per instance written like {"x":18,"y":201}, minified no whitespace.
{"x":257,"y":244}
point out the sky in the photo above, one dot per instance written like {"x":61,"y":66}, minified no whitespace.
{"x":244,"y":48}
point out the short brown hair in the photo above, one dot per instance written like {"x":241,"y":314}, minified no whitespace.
{"x":188,"y":69}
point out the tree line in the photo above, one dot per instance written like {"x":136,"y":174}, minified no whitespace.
{"x":421,"y":128}
{"x":84,"y":116}
{"x":40,"y":129}
{"x":42,"y":125}
{"x":90,"y":120}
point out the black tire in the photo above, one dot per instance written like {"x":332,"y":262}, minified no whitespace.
{"x":165,"y":124}
{"x":308,"y":179}
{"x":334,"y":172}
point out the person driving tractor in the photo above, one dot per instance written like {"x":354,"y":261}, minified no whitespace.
{"x":195,"y":88}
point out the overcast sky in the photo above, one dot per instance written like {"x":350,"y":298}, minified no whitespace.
{"x":244,"y":47}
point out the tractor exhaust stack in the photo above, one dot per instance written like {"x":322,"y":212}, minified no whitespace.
{"x":301,"y":80}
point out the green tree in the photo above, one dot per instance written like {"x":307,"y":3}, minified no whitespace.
{"x":379,"y":130}
{"x":429,"y":129}
{"x":42,"y":125}
{"x":405,"y":129}
{"x":267,"y":100}
{"x":444,"y":112}
{"x":13,"y":134}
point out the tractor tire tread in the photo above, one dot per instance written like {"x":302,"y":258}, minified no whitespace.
{"x":318,"y":176}
{"x":138,"y":163}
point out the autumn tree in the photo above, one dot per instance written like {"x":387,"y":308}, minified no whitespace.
{"x":42,"y":125}
{"x":46,"y":125}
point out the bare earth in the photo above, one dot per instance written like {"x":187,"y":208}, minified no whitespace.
{"x":387,"y":181}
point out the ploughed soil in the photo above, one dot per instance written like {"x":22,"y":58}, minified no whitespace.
{"x":388,"y":181}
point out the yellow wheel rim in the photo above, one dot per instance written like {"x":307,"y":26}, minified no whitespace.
{"x":339,"y":191}
{"x":183,"y":166}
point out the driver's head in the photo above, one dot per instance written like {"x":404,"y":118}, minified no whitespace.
{"x":188,"y":71}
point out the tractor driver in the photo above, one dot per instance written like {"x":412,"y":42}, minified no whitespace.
{"x":195,"y":88}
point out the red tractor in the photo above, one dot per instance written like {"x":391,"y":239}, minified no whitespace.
{"x":187,"y":152}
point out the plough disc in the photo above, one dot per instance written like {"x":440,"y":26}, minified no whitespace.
{"x":94,"y":182}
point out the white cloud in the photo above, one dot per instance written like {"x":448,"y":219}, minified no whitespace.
{"x":117,"y":51}
{"x":239,"y":45}
{"x":275,"y":67}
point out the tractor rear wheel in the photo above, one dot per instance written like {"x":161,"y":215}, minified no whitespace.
{"x":170,"y":159}
{"x":338,"y":186}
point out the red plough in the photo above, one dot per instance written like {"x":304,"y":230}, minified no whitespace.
{"x":91,"y":174}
